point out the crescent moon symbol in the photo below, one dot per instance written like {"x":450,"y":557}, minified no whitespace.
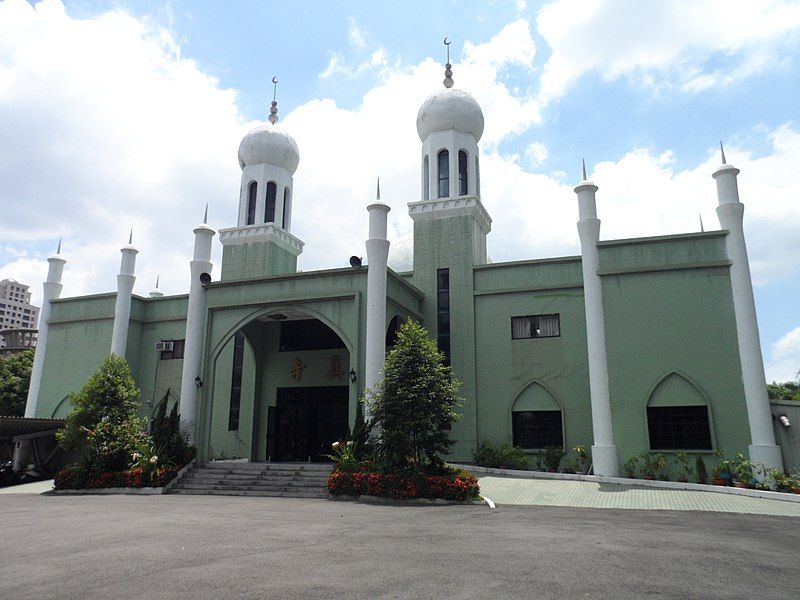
{"x":446,"y":43}
{"x":275,"y":79}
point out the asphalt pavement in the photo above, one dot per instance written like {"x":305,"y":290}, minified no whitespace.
{"x":120,"y":547}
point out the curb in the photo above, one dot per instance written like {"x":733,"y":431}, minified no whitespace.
{"x":421,"y":501}
{"x":664,"y":485}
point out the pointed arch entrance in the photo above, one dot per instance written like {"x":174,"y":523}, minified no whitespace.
{"x":280,"y":387}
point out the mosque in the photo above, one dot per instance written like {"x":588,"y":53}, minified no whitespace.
{"x":635,"y":345}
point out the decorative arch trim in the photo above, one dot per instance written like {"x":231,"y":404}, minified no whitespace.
{"x":522,"y":403}
{"x":676,"y":389}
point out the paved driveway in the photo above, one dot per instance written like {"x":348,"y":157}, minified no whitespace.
{"x":118,"y":547}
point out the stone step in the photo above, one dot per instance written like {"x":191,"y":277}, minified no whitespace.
{"x":255,"y":488}
{"x":254,"y":482}
{"x":259,"y":493}
{"x":262,"y":466}
{"x":265,"y":474}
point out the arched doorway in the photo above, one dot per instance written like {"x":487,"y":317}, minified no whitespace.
{"x":281,"y":389}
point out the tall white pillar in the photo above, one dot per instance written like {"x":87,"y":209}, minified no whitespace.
{"x":730,"y":211}
{"x":195,"y":316}
{"x":604,"y":452}
{"x":51,"y":291}
{"x":122,"y":308}
{"x":377,"y":259}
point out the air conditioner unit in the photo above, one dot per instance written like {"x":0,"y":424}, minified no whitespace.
{"x":163,"y":346}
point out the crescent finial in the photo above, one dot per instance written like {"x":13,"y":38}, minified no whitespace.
{"x":275,"y":79}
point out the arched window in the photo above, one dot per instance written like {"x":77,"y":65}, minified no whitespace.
{"x":678,"y":416}
{"x":477,"y":177}
{"x":252,"y":195}
{"x":285,"y":221}
{"x":269,"y":212}
{"x":536,"y":419}
{"x":462,"y":173}
{"x":444,"y":173}
{"x":426,"y":179}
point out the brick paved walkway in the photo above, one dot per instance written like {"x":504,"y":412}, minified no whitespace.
{"x":545,"y":492}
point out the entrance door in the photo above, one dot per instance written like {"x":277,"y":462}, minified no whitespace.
{"x":306,"y":422}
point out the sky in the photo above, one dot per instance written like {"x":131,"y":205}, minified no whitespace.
{"x":128,"y":115}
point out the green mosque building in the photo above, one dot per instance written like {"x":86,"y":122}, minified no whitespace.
{"x":635,"y":345}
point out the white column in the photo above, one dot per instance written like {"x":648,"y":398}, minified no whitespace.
{"x":377,"y":258}
{"x":51,"y":290}
{"x":122,"y":308}
{"x":763,"y":448}
{"x":195,"y":315}
{"x":604,"y":452}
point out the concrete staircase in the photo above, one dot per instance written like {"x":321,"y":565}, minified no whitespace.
{"x":281,"y":480}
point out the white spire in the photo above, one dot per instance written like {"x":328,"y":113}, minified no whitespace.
{"x":448,"y":68}
{"x":155,"y":292}
{"x":378,"y":194}
{"x":722,"y":151}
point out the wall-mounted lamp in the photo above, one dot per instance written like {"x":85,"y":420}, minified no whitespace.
{"x":198,"y":382}
{"x":353,"y":375}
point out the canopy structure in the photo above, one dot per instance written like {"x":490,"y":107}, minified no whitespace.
{"x":16,"y":426}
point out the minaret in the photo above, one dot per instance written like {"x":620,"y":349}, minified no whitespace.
{"x":604,"y":452}
{"x":730,"y":211}
{"x":51,"y":290}
{"x":195,"y":320}
{"x":155,"y":292}
{"x":122,"y":308}
{"x":377,"y":258}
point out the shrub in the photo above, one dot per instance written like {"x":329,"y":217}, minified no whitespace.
{"x":653,"y":464}
{"x":500,"y":457}
{"x":552,"y":457}
{"x":109,"y":396}
{"x":683,"y":463}
{"x":414,"y":406}
{"x":455,"y":485}
{"x":169,"y":443}
{"x":700,"y":469}
{"x":70,"y":478}
{"x":629,"y":467}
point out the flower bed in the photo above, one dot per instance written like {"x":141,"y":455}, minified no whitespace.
{"x":459,"y":485}
{"x":72,"y":478}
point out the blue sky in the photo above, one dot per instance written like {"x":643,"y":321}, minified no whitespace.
{"x":129,"y":114}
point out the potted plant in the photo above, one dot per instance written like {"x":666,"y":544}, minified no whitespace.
{"x":653,"y":465}
{"x":552,"y":457}
{"x":582,"y":457}
{"x":743,"y":471}
{"x":700,"y":469}
{"x":683,"y":463}
{"x":721,"y":472}
{"x":629,"y":467}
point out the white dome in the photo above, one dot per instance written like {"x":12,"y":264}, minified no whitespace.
{"x":450,"y":109}
{"x":269,"y":145}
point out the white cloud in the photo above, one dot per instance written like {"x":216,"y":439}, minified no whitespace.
{"x":784,"y":364}
{"x":337,"y":65}
{"x":110,"y":128}
{"x":355,"y":35}
{"x":663,"y":43}
{"x":536,"y":153}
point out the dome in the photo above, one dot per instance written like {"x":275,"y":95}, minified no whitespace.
{"x":450,"y":109}
{"x":269,"y":145}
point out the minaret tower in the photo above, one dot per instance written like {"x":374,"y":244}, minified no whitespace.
{"x":200,"y":268}
{"x":122,"y":307}
{"x":262,"y":244}
{"x":51,"y":291}
{"x":377,"y":257}
{"x":731,"y":212}
{"x":604,"y":452}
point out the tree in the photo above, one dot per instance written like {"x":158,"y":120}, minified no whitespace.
{"x":415,"y":405}
{"x":789,"y":390}
{"x":15,"y":378}
{"x":103,"y":425}
{"x":169,"y":444}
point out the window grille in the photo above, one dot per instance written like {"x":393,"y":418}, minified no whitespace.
{"x":536,"y":326}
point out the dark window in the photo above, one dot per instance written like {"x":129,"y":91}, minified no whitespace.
{"x":537,"y":428}
{"x":269,"y":212}
{"x":236,"y":381}
{"x":176,"y":352}
{"x":426,"y":179}
{"x":391,"y":332}
{"x":252,"y":195}
{"x":308,"y":334}
{"x":477,"y":177}
{"x":443,"y":312}
{"x":678,"y":428}
{"x":444,"y":173}
{"x":538,"y":326}
{"x":462,"y":173}
{"x":285,"y":218}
